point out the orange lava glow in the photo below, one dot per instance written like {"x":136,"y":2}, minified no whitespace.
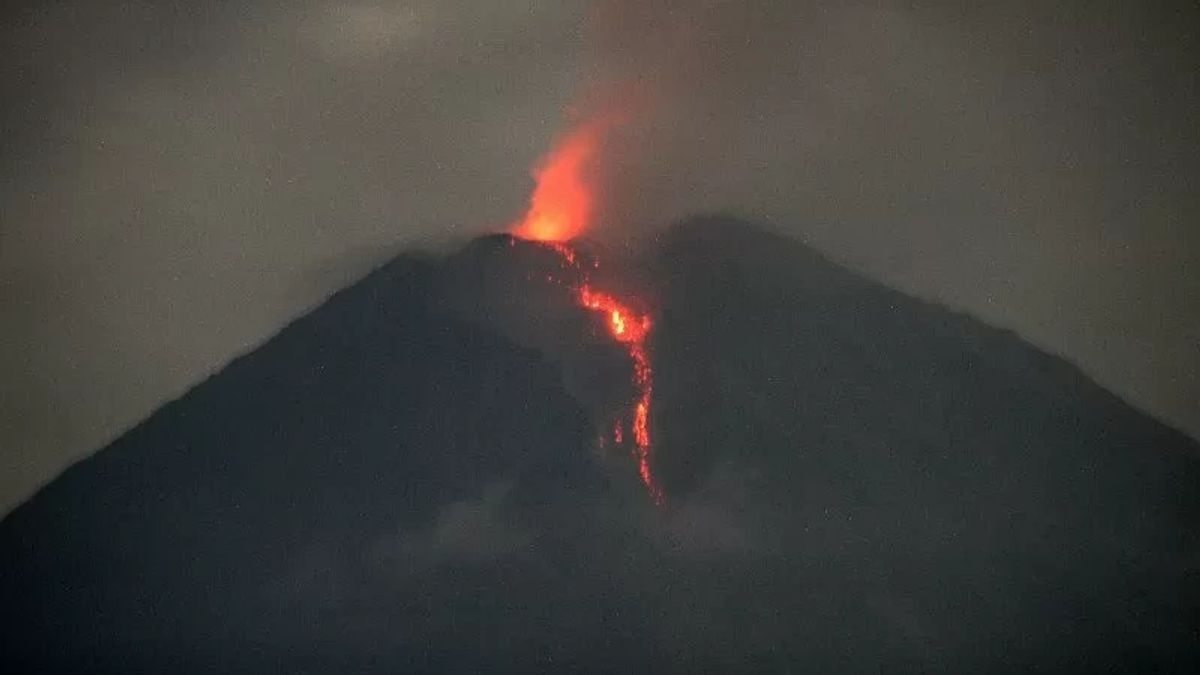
{"x":562,"y":208}
{"x":563,"y":202}
{"x":630,"y":329}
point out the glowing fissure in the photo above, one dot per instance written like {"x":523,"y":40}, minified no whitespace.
{"x":630,"y":329}
{"x":560,"y":209}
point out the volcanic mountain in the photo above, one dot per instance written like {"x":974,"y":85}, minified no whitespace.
{"x":421,"y":475}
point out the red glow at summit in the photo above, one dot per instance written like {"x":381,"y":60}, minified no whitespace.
{"x":561,"y":208}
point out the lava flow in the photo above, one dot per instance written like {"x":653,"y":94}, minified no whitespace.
{"x":560,"y":209}
{"x":631,"y":330}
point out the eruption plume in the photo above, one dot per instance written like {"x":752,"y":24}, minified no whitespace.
{"x":564,"y":197}
{"x":562,"y":208}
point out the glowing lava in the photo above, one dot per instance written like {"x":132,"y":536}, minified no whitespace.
{"x":560,"y":209}
{"x":563,"y":203}
{"x":631,"y":330}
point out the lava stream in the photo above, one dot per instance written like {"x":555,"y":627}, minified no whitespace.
{"x":631,"y":329}
{"x":562,"y":207}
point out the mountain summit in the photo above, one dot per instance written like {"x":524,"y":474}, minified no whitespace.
{"x":414,"y":477}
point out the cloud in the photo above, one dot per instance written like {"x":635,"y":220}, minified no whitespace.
{"x":715,"y":520}
{"x":467,"y":531}
{"x":699,"y":528}
{"x":364,"y":29}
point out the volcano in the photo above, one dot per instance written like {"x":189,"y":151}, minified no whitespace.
{"x":423,"y":475}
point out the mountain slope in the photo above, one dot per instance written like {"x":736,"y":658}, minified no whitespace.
{"x":408,"y":479}
{"x":991,"y":496}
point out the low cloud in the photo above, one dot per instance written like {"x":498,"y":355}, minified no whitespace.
{"x":715,"y":520}
{"x":467,"y":531}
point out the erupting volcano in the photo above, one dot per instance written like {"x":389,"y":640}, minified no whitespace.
{"x":560,"y":209}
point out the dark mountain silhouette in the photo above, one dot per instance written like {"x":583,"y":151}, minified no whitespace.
{"x":408,"y":480}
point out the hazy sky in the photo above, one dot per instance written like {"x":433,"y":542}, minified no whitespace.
{"x":179,"y":179}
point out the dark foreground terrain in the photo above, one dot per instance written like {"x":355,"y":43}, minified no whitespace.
{"x":408,"y":479}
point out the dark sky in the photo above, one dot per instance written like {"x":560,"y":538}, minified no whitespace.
{"x":180,"y":179}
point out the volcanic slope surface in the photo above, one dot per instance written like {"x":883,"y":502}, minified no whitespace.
{"x":412,"y":478}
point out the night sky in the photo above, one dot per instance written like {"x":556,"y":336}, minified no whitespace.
{"x":179,"y":179}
